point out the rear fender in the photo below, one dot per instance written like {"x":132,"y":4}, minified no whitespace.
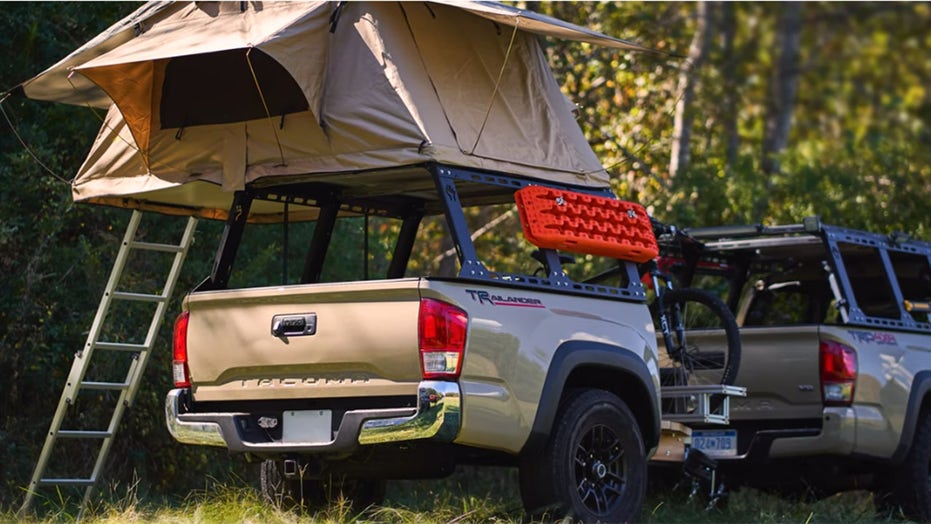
{"x":592,"y":364}
{"x":921,"y":389}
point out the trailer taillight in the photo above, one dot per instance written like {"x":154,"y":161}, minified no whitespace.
{"x":179,"y":368}
{"x":442,"y":334}
{"x":838,"y":373}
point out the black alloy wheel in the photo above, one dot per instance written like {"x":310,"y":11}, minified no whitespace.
{"x":600,"y":469}
{"x":593,"y":468}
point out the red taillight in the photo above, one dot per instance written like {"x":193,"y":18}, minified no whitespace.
{"x":179,"y":369}
{"x":838,"y":373}
{"x":442,"y":334}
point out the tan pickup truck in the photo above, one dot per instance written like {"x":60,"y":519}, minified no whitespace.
{"x":367,"y":367}
{"x":836,"y":359}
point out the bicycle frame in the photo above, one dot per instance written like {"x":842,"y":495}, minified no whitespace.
{"x":662,"y":282}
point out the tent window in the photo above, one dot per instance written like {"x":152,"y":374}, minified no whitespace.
{"x":218,"y":88}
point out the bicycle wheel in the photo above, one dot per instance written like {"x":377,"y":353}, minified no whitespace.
{"x":704,"y":345}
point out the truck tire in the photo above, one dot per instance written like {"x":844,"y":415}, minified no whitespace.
{"x":911,"y":480}
{"x":593,"y":468}
{"x":313,"y":493}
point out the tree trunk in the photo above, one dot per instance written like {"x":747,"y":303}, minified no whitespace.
{"x":729,"y":71}
{"x":783,"y":87}
{"x":680,"y":153}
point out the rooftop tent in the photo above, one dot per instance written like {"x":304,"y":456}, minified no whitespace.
{"x":210,"y":97}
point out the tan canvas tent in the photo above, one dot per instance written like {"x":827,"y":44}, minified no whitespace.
{"x":206,"y":98}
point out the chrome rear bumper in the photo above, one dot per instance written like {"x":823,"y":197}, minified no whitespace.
{"x":436,"y":417}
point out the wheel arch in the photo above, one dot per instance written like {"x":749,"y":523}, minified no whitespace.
{"x":919,"y":403}
{"x":578,"y":364}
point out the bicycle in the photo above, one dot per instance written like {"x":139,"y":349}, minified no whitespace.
{"x":691,"y":322}
{"x":702,"y":343}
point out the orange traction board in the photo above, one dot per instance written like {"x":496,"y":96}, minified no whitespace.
{"x":581,"y":223}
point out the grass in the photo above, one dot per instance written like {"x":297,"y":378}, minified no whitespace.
{"x":470,"y":495}
{"x":754,"y":506}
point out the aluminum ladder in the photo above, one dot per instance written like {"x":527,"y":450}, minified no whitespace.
{"x":127,"y":389}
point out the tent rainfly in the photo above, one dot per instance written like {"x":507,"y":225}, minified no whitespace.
{"x":205,"y":98}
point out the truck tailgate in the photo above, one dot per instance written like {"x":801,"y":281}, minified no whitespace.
{"x":781,"y":366}
{"x":333,"y":340}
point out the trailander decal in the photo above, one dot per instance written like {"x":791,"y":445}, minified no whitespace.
{"x":876,"y":337}
{"x":484,"y":297}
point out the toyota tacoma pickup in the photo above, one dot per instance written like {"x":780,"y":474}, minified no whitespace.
{"x":380,"y":361}
{"x":836,"y":358}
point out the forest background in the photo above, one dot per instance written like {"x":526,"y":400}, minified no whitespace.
{"x":761,"y":112}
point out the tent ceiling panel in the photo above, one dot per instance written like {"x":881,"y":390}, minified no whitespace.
{"x":57,"y":84}
{"x":523,"y":108}
{"x":543,"y":25}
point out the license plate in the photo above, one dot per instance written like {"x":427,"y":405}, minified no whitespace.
{"x":311,"y":427}
{"x":716,"y":443}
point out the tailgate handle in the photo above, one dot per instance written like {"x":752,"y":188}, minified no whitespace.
{"x":294,"y":325}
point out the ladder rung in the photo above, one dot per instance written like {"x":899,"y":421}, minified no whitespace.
{"x":67,"y":482}
{"x":109,"y":386}
{"x":127,"y":388}
{"x":141,"y":297}
{"x":149,"y":246}
{"x":82,"y":433}
{"x":121,"y":346}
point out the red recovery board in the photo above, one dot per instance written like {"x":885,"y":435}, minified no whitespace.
{"x":581,"y":223}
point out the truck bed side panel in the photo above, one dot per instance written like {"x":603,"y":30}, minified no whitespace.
{"x":887,"y":362}
{"x":513,"y":336}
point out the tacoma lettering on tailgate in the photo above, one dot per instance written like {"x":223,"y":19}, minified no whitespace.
{"x":289,"y":382}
